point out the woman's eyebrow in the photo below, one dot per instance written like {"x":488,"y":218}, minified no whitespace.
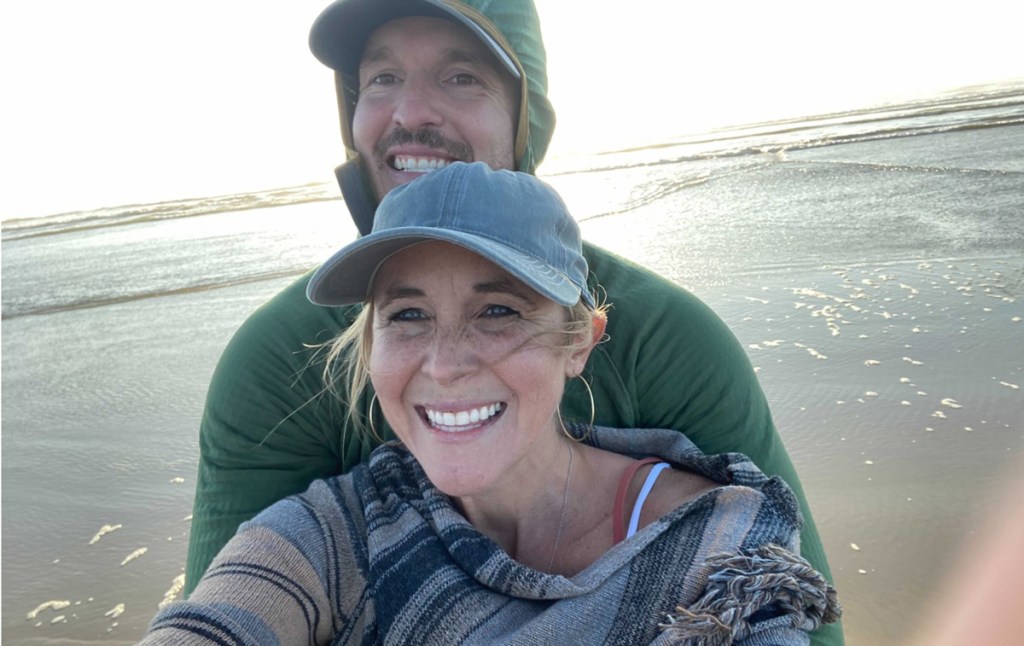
{"x":397,"y":292}
{"x":509,"y":288}
{"x":502,"y":287}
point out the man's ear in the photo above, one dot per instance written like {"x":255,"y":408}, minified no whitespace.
{"x":579,"y":357}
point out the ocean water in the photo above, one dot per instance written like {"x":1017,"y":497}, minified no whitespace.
{"x":871,"y":262}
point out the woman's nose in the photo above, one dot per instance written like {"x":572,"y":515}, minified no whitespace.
{"x":451,"y":356}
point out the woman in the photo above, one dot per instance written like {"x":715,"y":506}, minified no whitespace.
{"x":490,"y":519}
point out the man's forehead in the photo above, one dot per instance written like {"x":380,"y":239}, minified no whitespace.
{"x":442,"y":38}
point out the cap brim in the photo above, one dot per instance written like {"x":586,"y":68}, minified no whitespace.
{"x":340,"y":32}
{"x":346,"y":277}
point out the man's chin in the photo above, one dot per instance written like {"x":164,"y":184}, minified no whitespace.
{"x":396,"y":178}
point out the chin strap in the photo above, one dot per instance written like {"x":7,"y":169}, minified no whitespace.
{"x":358,"y":198}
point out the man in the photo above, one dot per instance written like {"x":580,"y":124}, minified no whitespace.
{"x":422,"y":83}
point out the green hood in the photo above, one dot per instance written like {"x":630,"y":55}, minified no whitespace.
{"x":514,"y":24}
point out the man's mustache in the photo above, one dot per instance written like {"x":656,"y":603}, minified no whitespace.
{"x":429,"y":137}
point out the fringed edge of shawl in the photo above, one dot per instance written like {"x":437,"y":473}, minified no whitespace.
{"x":742,"y":584}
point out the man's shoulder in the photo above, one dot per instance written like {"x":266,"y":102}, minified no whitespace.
{"x":283,"y":333}
{"x":289,"y":316}
{"x":635,"y":292}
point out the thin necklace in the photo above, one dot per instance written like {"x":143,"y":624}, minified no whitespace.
{"x":561,"y":519}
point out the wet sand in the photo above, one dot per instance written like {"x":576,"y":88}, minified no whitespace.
{"x":897,"y":390}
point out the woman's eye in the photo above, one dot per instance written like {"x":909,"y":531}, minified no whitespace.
{"x":409,"y":314}
{"x":499,"y":311}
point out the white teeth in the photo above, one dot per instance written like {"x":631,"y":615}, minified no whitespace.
{"x":451,"y":421}
{"x":419,"y":164}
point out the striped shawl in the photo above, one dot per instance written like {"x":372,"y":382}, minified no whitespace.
{"x":381,"y":556}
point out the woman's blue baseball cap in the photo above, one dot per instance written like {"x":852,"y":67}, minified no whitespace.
{"x":511,"y":218}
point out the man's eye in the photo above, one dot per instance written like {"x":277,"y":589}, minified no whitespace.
{"x":383,"y":79}
{"x":463,"y":79}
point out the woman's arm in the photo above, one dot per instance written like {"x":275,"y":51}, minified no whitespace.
{"x":268,"y":429}
{"x":287,"y":577}
{"x":259,"y":590}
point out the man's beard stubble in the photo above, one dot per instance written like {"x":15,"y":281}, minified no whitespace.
{"x":429,"y":137}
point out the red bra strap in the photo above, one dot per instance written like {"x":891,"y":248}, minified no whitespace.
{"x":618,"y":517}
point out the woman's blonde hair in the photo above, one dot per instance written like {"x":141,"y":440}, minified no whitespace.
{"x":347,"y":364}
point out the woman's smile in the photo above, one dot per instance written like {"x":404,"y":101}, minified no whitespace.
{"x":460,"y":421}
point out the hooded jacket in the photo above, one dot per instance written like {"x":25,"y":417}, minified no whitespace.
{"x":515,"y":26}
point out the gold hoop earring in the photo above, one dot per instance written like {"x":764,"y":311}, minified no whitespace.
{"x":566,"y":432}
{"x":593,"y":408}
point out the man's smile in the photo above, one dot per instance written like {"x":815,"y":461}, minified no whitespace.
{"x":417,"y":163}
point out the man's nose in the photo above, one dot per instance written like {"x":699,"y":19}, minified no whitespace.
{"x":418,"y":105}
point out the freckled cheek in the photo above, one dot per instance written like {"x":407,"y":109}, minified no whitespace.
{"x":391,"y":368}
{"x":539,"y":378}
